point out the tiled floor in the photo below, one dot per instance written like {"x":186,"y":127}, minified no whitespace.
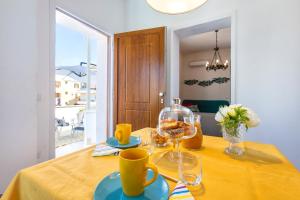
{"x":65,"y":136}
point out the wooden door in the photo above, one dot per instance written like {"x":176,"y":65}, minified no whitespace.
{"x":139,"y":77}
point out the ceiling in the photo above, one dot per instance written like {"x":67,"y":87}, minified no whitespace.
{"x":205,"y":41}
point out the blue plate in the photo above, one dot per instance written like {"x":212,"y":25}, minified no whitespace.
{"x":113,"y":142}
{"x":110,"y":189}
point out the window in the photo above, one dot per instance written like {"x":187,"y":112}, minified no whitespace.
{"x":79,"y":50}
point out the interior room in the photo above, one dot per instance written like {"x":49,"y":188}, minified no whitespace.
{"x":149,"y":99}
{"x":201,"y":84}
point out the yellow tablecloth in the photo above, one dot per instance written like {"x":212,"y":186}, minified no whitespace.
{"x":263,"y":173}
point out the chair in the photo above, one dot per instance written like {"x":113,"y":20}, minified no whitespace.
{"x":78,"y":126}
{"x":59,"y":123}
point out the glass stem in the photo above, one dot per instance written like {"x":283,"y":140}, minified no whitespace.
{"x":174,"y":144}
{"x":175,"y":153}
{"x":177,"y":147}
{"x":230,"y":145}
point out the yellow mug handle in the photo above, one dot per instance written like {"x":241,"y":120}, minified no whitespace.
{"x":155,"y":171}
{"x":119,"y":135}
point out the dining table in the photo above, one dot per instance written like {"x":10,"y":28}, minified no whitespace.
{"x":262,"y":172}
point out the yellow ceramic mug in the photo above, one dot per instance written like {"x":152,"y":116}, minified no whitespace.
{"x":122,"y":133}
{"x":134,"y":164}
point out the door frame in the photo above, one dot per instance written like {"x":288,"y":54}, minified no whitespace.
{"x":51,"y":98}
{"x":173,"y":37}
{"x":162,"y":71}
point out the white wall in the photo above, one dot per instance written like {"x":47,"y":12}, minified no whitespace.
{"x":267,"y":42}
{"x":18,"y":107}
{"x":196,"y":92}
{"x":44,"y":120}
{"x":25,"y":38}
{"x":172,"y":73}
{"x":102,"y":89}
{"x":107,"y":15}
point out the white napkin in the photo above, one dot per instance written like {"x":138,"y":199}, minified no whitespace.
{"x":104,"y":150}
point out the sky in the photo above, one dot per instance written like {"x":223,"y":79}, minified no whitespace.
{"x":71,"y":47}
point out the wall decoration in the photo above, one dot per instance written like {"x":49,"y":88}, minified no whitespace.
{"x":219,"y":80}
{"x":191,"y":82}
{"x":216,"y":67}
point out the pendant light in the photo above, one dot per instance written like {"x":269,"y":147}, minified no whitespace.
{"x":175,"y":6}
{"x":216,"y":62}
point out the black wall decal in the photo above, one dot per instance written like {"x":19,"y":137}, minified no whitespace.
{"x":219,"y":80}
{"x":216,"y":67}
{"x":191,"y":82}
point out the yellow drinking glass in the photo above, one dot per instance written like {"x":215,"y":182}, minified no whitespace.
{"x":122,"y":133}
{"x":134,"y":164}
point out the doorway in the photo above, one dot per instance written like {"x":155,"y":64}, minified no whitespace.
{"x":205,"y":82}
{"x":81,"y":84}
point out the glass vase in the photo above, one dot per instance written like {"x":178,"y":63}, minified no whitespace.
{"x":235,"y":138}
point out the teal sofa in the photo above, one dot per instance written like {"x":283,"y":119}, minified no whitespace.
{"x":207,"y":110}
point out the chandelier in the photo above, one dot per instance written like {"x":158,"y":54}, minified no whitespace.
{"x":175,"y":6}
{"x":216,"y":62}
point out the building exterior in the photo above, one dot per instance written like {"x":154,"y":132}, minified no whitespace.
{"x":68,"y":90}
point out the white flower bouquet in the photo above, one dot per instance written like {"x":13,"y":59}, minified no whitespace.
{"x":232,"y":117}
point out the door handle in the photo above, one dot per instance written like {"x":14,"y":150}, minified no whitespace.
{"x":161,"y":95}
